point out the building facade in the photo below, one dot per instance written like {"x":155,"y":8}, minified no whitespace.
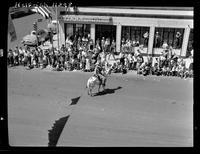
{"x":150,"y":26}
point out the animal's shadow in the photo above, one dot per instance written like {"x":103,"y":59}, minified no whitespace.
{"x":107,"y":91}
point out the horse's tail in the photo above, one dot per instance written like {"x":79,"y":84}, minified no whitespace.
{"x":87,"y":86}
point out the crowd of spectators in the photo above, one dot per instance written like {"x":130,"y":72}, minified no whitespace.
{"x":81,"y":53}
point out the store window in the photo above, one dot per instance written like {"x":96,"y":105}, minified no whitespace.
{"x":190,"y":44}
{"x":168,"y":37}
{"x":136,"y":34}
{"x":79,"y":30}
{"x":106,"y":31}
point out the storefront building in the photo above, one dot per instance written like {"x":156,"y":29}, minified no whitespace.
{"x":152,"y":27}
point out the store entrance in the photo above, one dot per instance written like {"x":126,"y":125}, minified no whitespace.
{"x":106,"y":31}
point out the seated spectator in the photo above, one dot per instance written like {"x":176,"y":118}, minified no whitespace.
{"x":156,"y":69}
{"x":164,"y":70}
{"x":59,"y":67}
{"x":144,"y":69}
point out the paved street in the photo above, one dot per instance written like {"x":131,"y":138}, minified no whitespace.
{"x":53,"y":108}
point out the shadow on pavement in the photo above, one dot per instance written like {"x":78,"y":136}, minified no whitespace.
{"x":58,"y":126}
{"x":56,"y":131}
{"x":75,"y":100}
{"x":107,"y":91}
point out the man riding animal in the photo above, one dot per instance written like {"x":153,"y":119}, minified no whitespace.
{"x":99,"y":72}
{"x":99,"y":77}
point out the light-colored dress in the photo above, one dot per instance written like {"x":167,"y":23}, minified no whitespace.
{"x":87,"y":67}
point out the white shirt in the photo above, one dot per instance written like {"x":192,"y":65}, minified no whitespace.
{"x":15,"y":54}
{"x":21,"y":51}
{"x":84,"y":53}
{"x":192,"y":52}
{"x":164,"y":45}
{"x":87,"y":67}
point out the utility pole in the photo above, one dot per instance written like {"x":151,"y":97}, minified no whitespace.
{"x":35,"y":28}
{"x":57,"y":26}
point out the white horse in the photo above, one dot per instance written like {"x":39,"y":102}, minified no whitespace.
{"x":93,"y":81}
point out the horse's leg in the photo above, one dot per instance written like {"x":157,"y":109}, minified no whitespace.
{"x":91,"y":91}
{"x":104,"y":84}
{"x":99,"y":88}
{"x":88,"y":91}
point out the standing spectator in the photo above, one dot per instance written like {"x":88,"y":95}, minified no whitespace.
{"x":191,"y":68}
{"x":36,"y":58}
{"x":15,"y":56}
{"x":130,"y":60}
{"x":157,"y":40}
{"x":140,"y":60}
{"x":146,"y":37}
{"x":192,"y":53}
{"x":173,"y":70}
{"x":40,"y":57}
{"x":11,"y":57}
{"x":21,"y":55}
{"x":29,"y":62}
{"x":122,"y":60}
{"x":170,"y":53}
{"x":134,"y":61}
{"x":87,"y":67}
{"x":165,"y":45}
{"x":103,"y":44}
{"x":68,"y":42}
{"x":113,"y":46}
{"x":107,"y":45}
{"x":32,"y":58}
{"x":25,"y":59}
{"x":63,"y":48}
{"x":126,"y":62}
{"x":83,"y":60}
{"x":98,"y":44}
{"x":162,"y":59}
{"x":178,"y":40}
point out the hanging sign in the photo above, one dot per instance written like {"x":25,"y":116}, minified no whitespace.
{"x":89,"y":19}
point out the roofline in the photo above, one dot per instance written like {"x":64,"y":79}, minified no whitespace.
{"x":147,"y":8}
{"x":155,"y":11}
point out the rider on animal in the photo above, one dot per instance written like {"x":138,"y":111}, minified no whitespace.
{"x":99,"y":72}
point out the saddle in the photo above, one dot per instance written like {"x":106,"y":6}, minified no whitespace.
{"x":98,"y":77}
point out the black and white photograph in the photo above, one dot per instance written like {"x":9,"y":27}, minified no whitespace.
{"x":99,"y":76}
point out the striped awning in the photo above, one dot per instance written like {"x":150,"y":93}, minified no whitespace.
{"x":44,"y":11}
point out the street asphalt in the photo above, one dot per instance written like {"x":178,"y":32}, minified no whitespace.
{"x":48,"y":108}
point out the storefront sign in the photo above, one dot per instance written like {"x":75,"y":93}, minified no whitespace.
{"x":93,"y":19}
